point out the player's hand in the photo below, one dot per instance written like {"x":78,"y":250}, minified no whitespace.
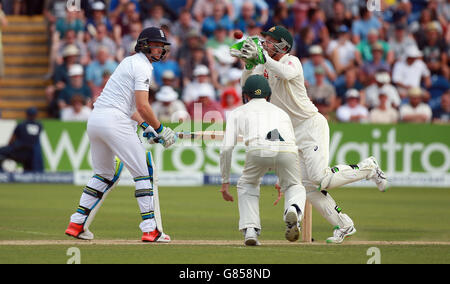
{"x":249,"y":49}
{"x":167,"y":135}
{"x":280,"y":194}
{"x":150,"y":134}
{"x":226,"y":193}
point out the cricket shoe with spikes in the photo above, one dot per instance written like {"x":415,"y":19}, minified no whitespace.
{"x":291,"y":219}
{"x":377,"y":175}
{"x":251,"y":237}
{"x":155,"y":237}
{"x":340,"y":234}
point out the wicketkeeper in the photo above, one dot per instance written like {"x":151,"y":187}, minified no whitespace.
{"x":268,"y":134}
{"x":285,"y":75}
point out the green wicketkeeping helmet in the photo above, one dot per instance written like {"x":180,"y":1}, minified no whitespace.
{"x":282,"y":35}
{"x":257,"y":87}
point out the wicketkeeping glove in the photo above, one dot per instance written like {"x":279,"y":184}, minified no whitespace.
{"x":252,"y":53}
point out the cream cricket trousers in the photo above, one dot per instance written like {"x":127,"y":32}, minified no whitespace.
{"x":112,"y":133}
{"x":313,"y":139}
{"x":257,"y":163}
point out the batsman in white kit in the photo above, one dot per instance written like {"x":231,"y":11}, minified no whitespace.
{"x":285,"y":75}
{"x":122,"y":105}
{"x":270,"y":146}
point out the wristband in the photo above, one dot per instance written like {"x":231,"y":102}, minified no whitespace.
{"x":144,"y":125}
{"x":160,"y":128}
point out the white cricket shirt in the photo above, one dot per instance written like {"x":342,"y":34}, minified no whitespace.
{"x":288,"y":86}
{"x":253,"y":121}
{"x":134,"y":73}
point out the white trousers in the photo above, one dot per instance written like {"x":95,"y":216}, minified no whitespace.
{"x":111,"y":133}
{"x":257,"y":163}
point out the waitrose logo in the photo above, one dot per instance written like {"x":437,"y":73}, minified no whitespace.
{"x":400,"y":149}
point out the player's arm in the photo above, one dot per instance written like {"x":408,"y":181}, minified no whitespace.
{"x":144,"y":111}
{"x":226,"y":153}
{"x":287,"y":71}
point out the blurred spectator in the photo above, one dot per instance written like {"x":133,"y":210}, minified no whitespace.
{"x":324,"y":108}
{"x":381,"y":84}
{"x":322,"y":90}
{"x":169,"y":12}
{"x":201,"y":75}
{"x":349,"y":81}
{"x":161,"y":66}
{"x":205,"y":8}
{"x":281,"y":16}
{"x":401,"y":42}
{"x":223,"y":63}
{"x":314,"y":20}
{"x":231,"y":96}
{"x":367,"y":46}
{"x":169,"y":79}
{"x":415,"y":110}
{"x":362,"y":26}
{"x":77,"y":86}
{"x":156,"y":17}
{"x":76,"y":111}
{"x":123,"y":24}
{"x":167,"y":107}
{"x":352,"y":111}
{"x":376,"y":64}
{"x":247,"y":15}
{"x":300,"y":13}
{"x":197,"y":57}
{"x":71,"y":39}
{"x":184,"y":25}
{"x":70,"y":22}
{"x":61,"y":79}
{"x":55,"y":10}
{"x":337,"y":18}
{"x":304,"y":40}
{"x":434,"y":49}
{"x":254,"y":28}
{"x":128,"y":42}
{"x":101,"y":39}
{"x":99,"y":17}
{"x":219,"y":38}
{"x":317,"y":59}
{"x":218,"y":18}
{"x":205,"y":107}
{"x":97,"y":90}
{"x":442,"y":114}
{"x":3,"y":23}
{"x":123,"y":10}
{"x":418,"y":28}
{"x":102,"y":63}
{"x":185,"y":53}
{"x":260,"y":6}
{"x":384,"y":112}
{"x":342,"y":51}
{"x":24,"y":146}
{"x":411,"y":72}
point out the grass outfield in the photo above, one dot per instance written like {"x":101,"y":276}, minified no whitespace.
{"x":407,"y":225}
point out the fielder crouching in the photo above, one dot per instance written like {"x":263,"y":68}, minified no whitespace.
{"x":269,"y":136}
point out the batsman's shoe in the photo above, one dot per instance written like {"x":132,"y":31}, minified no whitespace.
{"x":155,"y":237}
{"x":292,"y":225}
{"x":74,"y":230}
{"x":340,"y":234}
{"x":251,"y":237}
{"x":377,"y":175}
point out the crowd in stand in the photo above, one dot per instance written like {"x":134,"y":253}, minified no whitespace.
{"x":384,"y":63}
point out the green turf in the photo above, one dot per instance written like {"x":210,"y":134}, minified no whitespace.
{"x":41,"y":212}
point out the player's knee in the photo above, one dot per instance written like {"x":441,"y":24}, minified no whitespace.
{"x":247,"y":189}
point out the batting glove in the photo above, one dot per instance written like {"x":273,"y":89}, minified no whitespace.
{"x":150,"y":133}
{"x":167,"y":135}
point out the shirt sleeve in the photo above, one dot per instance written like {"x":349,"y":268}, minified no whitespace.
{"x":229,"y":141}
{"x":142,"y":77}
{"x":286,"y":70}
